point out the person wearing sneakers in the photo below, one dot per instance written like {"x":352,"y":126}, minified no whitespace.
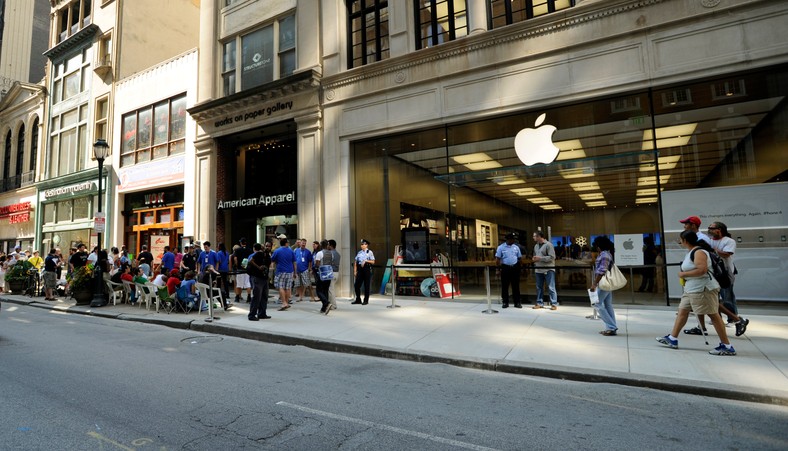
{"x":700,"y":295}
{"x":507,"y":258}
{"x":544,"y":261}
{"x":603,"y":262}
{"x":362,"y":272}
{"x":724,"y":246}
{"x":285,"y":261}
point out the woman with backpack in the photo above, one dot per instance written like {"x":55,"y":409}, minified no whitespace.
{"x":701,"y":293}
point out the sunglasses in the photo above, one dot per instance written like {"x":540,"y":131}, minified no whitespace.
{"x":714,"y":228}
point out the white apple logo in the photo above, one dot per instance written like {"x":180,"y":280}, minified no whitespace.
{"x":535,"y":145}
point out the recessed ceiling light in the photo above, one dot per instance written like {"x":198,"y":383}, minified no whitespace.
{"x":551,"y":207}
{"x":570,"y":150}
{"x":592,"y":196}
{"x":576,"y":173}
{"x":540,"y":200}
{"x":477,"y":161}
{"x":673,"y":136}
{"x":597,"y":203}
{"x":525,"y":191}
{"x":646,"y":200}
{"x":508,"y":180}
{"x":585,"y":186}
{"x":647,"y":192}
{"x":652,"y":180}
{"x":665,"y":163}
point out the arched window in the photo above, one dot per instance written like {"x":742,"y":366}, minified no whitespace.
{"x":34,"y":147}
{"x":7,"y":165}
{"x":20,"y":152}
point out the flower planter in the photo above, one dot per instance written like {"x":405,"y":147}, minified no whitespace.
{"x":83,"y":296}
{"x":16,"y":286}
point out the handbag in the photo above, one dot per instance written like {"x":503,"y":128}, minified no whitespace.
{"x":613,"y":279}
{"x":326,"y":272}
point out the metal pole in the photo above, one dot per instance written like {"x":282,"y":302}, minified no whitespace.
{"x":98,"y":296}
{"x":209,"y":295}
{"x":489,"y":310}
{"x":393,"y":287}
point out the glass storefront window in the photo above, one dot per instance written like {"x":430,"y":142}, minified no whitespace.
{"x":609,"y":161}
{"x":64,"y":211}
{"x":49,"y":213}
{"x":81,"y":208}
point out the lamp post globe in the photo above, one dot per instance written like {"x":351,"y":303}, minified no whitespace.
{"x":100,"y":151}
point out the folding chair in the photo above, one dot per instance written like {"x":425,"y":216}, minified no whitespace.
{"x":128,"y":287}
{"x":208,"y":294}
{"x":166,"y":301}
{"x":152,"y":292}
{"x":180,"y":300}
{"x":115,"y":290}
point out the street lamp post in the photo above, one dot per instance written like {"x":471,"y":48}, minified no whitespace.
{"x":100,"y":151}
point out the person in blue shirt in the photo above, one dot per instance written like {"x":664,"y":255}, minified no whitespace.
{"x":207,"y":257}
{"x":362,"y":271}
{"x":303,"y":277}
{"x":285,"y":260}
{"x":507,"y":258}
{"x":167,"y":261}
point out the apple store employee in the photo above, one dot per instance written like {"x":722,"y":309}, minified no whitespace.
{"x":507,"y":257}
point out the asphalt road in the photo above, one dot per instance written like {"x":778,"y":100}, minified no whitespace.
{"x":76,"y":382}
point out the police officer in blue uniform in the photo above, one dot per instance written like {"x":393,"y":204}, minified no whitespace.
{"x":507,"y":257}
{"x":362,"y":271}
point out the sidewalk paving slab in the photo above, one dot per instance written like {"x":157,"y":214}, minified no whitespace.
{"x":561,"y":344}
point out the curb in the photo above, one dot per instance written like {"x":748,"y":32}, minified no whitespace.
{"x":708,"y":389}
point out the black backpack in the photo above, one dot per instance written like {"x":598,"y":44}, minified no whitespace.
{"x":718,"y":269}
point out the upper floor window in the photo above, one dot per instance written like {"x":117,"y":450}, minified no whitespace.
{"x":72,"y":18}
{"x":369,"y":31}
{"x":71,"y":76}
{"x":68,"y":141}
{"x":7,"y":167}
{"x":267,"y":53}
{"x":439,"y":21}
{"x":156,"y":131}
{"x":20,"y":150}
{"x":34,"y":146}
{"x":507,"y":12}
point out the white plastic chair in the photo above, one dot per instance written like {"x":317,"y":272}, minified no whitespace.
{"x":142,"y":295}
{"x":127,"y":286}
{"x":115,"y":290}
{"x":152,"y":292}
{"x":208,"y":294}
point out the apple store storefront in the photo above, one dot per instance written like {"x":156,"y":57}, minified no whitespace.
{"x":618,"y":166}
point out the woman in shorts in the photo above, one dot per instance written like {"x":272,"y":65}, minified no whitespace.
{"x":701,"y":293}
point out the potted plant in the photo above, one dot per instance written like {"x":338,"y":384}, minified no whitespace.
{"x":17,"y":275}
{"x":81,"y":283}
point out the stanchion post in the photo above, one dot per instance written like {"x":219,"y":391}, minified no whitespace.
{"x":393,"y":287}
{"x":489,"y":310}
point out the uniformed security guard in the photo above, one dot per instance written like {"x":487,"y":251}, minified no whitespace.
{"x":362,"y":271}
{"x":507,"y":257}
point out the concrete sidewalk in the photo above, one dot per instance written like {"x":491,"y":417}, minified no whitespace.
{"x":561,"y":344}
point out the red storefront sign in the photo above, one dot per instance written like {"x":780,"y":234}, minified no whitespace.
{"x":16,"y":213}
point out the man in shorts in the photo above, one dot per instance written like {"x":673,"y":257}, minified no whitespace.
{"x":303,"y":275}
{"x":50,"y":275}
{"x":285,"y":261}
{"x":241,"y":277}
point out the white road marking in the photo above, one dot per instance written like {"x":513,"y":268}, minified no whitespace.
{"x":385,"y":427}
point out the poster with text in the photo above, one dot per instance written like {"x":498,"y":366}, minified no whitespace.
{"x":629,"y":249}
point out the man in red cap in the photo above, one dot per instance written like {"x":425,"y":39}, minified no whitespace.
{"x":692,"y":223}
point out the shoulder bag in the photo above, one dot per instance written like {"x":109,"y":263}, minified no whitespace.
{"x":613,"y":279}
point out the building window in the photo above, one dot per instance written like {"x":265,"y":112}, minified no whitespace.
{"x":267,"y":53}
{"x":439,"y":21}
{"x":71,"y":76}
{"x":7,"y":166}
{"x":20,"y":151}
{"x":507,"y":12}
{"x":368,"y":26}
{"x":154,"y":132}
{"x":102,"y":113}
{"x":34,"y":147}
{"x":72,"y":18}
{"x":104,"y":57}
{"x":68,"y":141}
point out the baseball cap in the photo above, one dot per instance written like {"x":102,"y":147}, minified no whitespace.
{"x":365,"y":242}
{"x":691,"y":220}
{"x":281,"y":236}
{"x":242,"y":240}
{"x":511,"y":236}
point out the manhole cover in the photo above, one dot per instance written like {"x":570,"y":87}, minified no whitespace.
{"x":203,"y":339}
